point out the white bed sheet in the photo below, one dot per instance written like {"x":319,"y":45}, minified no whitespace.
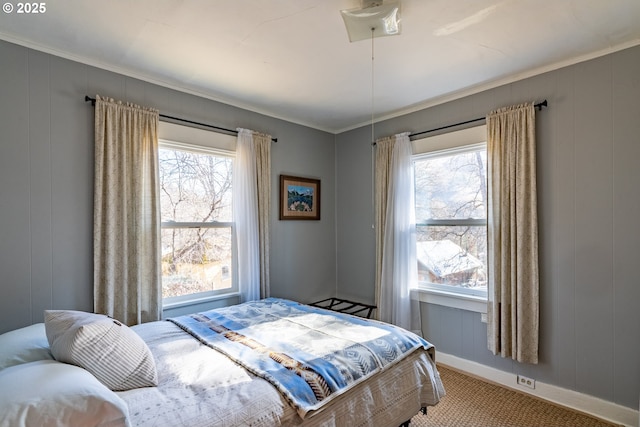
{"x":200,"y":387}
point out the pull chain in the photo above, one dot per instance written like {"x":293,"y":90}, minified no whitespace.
{"x":373,"y":178}
{"x":372,"y":85}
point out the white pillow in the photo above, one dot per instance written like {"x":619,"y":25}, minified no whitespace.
{"x":54,"y":394}
{"x":24,"y":345}
{"x":111,"y":351}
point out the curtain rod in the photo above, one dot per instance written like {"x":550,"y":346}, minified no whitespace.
{"x":538,"y":106}
{"x":164,"y":116}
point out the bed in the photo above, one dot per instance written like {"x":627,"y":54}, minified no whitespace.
{"x":271,"y":362}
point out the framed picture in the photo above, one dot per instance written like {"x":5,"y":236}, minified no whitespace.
{"x":299,"y":198}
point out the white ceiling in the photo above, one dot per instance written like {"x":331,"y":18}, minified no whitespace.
{"x":292,"y":59}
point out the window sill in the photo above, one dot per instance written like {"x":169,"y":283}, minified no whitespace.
{"x":201,"y":300}
{"x":448,"y":299}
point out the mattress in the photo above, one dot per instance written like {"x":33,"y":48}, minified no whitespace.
{"x":200,"y":387}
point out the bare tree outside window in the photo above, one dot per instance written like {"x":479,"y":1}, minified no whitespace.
{"x":195,"y":198}
{"x":451,"y":195}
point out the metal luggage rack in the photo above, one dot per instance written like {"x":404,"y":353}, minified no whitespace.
{"x":346,"y":306}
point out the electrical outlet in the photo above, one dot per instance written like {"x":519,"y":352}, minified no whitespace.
{"x":526,"y":382}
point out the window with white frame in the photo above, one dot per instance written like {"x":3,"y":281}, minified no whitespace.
{"x":451,"y":212}
{"x":197,"y":230}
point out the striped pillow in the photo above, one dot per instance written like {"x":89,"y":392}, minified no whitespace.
{"x":111,"y":351}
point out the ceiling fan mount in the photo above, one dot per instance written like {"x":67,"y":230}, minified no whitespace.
{"x":374,"y":19}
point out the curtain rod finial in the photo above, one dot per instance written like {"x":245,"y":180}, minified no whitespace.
{"x":541,"y":104}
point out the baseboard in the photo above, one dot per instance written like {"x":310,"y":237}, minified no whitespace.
{"x":594,"y":406}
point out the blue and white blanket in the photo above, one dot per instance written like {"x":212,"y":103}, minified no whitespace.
{"x":309,"y":354}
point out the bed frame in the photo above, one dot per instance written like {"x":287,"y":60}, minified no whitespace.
{"x":406,"y":423}
{"x":346,"y":306}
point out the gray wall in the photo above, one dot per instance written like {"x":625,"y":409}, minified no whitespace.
{"x":588,"y":150}
{"x":589,"y":207}
{"x":46,"y":171}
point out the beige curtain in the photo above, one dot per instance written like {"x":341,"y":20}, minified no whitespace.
{"x":512,"y":311}
{"x":126,"y":222}
{"x":383,"y":155}
{"x":263,"y":172}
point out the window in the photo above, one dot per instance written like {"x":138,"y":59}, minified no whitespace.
{"x":451,"y":214}
{"x":197,"y":230}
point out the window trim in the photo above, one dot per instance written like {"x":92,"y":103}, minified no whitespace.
{"x":456,"y":142}
{"x":449,"y":299}
{"x":208,"y":149}
{"x":178,"y":302}
{"x":194,"y":148}
{"x":470,"y":222}
{"x":442,"y":152}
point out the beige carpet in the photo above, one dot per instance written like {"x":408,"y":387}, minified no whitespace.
{"x":471,"y":402}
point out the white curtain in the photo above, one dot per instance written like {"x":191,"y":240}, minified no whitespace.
{"x":512,"y":309}
{"x":395,"y":237}
{"x":126,"y":221}
{"x":251,"y":208}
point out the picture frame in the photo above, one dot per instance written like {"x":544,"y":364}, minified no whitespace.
{"x":299,"y":198}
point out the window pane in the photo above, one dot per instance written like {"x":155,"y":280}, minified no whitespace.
{"x":451,"y":200}
{"x":451,"y":186}
{"x":195,"y":260}
{"x":453,"y":255}
{"x":195,"y":187}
